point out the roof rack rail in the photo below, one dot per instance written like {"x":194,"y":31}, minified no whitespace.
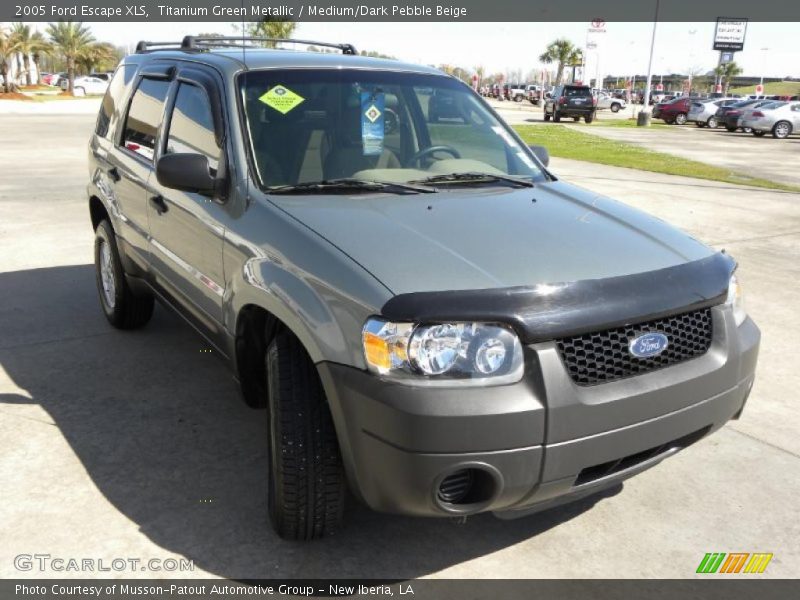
{"x":145,"y":46}
{"x":192,"y":42}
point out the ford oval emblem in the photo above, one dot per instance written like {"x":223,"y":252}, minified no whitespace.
{"x":648,"y":344}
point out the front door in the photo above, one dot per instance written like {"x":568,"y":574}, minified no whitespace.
{"x":186,"y":228}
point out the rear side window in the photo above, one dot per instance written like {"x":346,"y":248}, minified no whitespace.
{"x":144,"y":117}
{"x":112,"y":98}
{"x":191,"y":127}
{"x":573,"y":92}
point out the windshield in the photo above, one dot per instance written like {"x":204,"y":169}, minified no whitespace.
{"x":315,"y":125}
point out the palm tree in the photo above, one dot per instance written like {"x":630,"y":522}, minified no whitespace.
{"x":563,"y":52}
{"x":29,"y":43}
{"x":272,"y":29}
{"x":96,"y":55}
{"x":70,"y":39}
{"x":726,"y":72}
{"x":9,"y":46}
{"x":39,"y":47}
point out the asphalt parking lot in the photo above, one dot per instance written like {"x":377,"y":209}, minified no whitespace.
{"x":136,"y":444}
{"x":741,"y":153}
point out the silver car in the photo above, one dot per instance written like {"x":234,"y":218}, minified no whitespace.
{"x":781,"y":118}
{"x":704,"y":112}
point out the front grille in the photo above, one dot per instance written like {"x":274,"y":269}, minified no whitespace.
{"x":603,"y":356}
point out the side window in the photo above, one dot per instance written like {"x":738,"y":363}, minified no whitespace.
{"x":113,"y":95}
{"x":144,"y":117}
{"x":191,"y":127}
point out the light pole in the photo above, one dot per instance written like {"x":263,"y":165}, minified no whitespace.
{"x":691,"y":59}
{"x":763,"y":64}
{"x":644,"y":116}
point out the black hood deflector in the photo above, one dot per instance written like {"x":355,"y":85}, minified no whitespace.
{"x":546,"y":312}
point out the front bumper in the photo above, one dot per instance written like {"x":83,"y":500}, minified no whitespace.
{"x":537,"y":443}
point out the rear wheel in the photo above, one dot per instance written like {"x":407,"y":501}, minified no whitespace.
{"x":712,"y":122}
{"x":122,"y":308}
{"x":589,"y":118}
{"x":781,"y":130}
{"x":576,"y":119}
{"x":556,"y":116}
{"x":615,"y":107}
{"x":680,"y":118}
{"x":306,"y":476}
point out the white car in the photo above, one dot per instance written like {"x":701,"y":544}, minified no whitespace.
{"x":704,"y":112}
{"x":87,"y":85}
{"x":610,"y":102}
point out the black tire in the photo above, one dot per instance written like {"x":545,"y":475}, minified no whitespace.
{"x":122,"y":308}
{"x":680,"y":118}
{"x":669,"y":121}
{"x":781,"y":130}
{"x":306,"y":478}
{"x":556,"y":117}
{"x":576,"y":119}
{"x":589,"y":118}
{"x":712,"y":122}
{"x":731,"y":128}
{"x":758,"y":132}
{"x":699,"y":124}
{"x":615,"y":107}
{"x":546,"y":116}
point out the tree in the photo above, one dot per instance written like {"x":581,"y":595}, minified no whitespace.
{"x":70,"y":39}
{"x":30,"y":44}
{"x":564,"y":53}
{"x":9,"y":46}
{"x":96,"y":55}
{"x":272,"y":29}
{"x":726,"y":72}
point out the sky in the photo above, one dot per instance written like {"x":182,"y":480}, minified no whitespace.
{"x":770,"y":48}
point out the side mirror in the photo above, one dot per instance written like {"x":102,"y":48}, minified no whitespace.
{"x":186,"y":172}
{"x":541,"y":153}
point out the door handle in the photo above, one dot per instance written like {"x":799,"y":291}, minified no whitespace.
{"x":158,"y":203}
{"x":113,"y":173}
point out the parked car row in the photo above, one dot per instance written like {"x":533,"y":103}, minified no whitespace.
{"x":752,"y":115}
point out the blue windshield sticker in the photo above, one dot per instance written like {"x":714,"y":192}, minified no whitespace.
{"x":372,"y":130}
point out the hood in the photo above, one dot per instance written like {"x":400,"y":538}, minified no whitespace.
{"x":477,"y":238}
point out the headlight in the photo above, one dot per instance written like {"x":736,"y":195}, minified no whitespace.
{"x":736,"y":301}
{"x":438,"y":353}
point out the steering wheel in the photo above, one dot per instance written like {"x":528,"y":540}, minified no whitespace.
{"x":390,"y":121}
{"x":425,"y":152}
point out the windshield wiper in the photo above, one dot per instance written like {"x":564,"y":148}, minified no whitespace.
{"x":328,"y":186}
{"x":473,"y":177}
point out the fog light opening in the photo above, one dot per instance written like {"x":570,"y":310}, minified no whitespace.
{"x":465,"y":487}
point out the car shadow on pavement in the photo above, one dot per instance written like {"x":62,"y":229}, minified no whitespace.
{"x":155,"y":420}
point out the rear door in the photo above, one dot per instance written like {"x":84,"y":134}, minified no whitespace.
{"x":794,"y":111}
{"x":131,"y":164}
{"x":578,"y":97}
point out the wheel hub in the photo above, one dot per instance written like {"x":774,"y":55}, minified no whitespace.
{"x":107,"y":275}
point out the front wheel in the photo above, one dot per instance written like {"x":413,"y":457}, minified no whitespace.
{"x":615,"y":107}
{"x":306,"y":476}
{"x":782,"y":130}
{"x":712,"y":122}
{"x":122,"y":308}
{"x":680,"y":119}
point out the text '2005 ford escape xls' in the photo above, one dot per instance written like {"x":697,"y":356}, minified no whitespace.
{"x":429,"y":316}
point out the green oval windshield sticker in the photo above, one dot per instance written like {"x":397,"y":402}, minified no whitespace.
{"x":281,"y":99}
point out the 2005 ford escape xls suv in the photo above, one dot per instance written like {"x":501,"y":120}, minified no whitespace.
{"x":428,"y":315}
